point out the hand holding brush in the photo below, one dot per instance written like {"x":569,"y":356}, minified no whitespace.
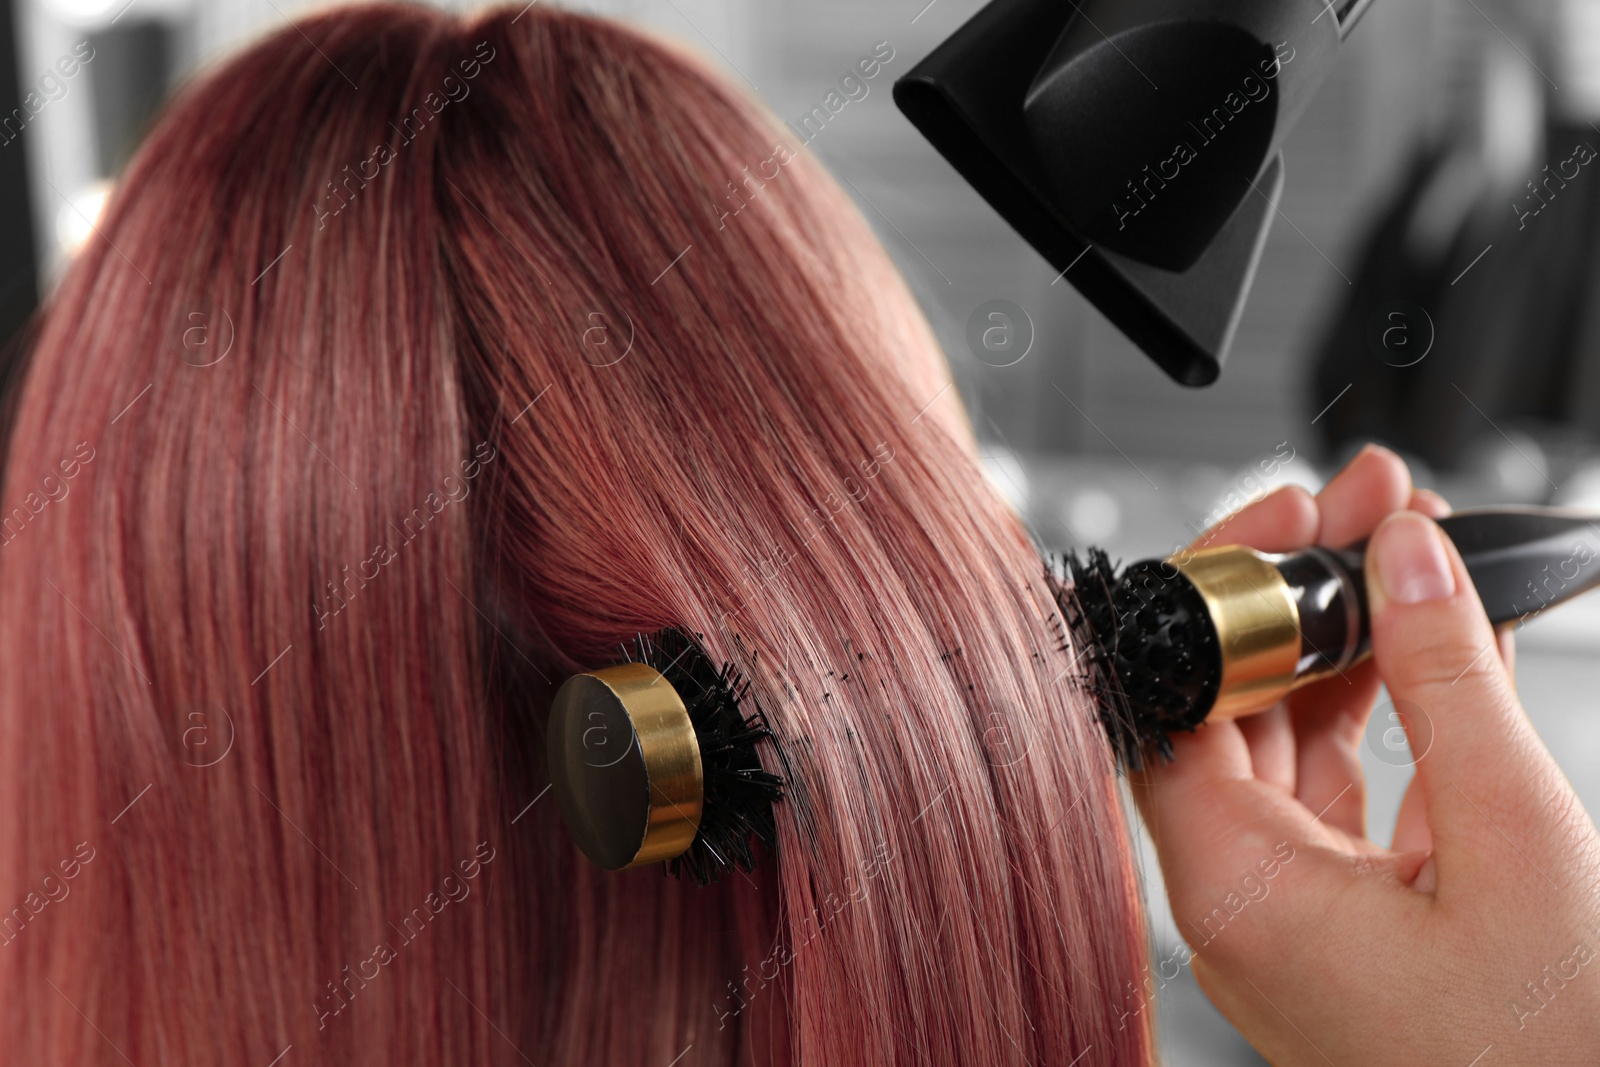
{"x":1475,"y":938}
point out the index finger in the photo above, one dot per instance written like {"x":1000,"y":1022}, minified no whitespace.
{"x":1285,"y":519}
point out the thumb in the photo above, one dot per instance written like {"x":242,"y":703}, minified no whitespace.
{"x":1477,"y":756}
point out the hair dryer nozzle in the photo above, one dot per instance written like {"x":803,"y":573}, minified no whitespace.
{"x":1135,"y":144}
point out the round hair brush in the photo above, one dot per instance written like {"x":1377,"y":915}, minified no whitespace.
{"x":654,"y":759}
{"x":1222,"y":633}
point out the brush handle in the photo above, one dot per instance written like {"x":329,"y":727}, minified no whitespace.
{"x":1521,"y":560}
{"x":1330,"y":593}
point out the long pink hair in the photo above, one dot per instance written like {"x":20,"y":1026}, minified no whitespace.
{"x":417,"y":363}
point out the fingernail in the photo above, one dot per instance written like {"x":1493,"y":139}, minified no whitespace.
{"x":1430,"y":503}
{"x":1427,"y":879}
{"x":1412,"y":564}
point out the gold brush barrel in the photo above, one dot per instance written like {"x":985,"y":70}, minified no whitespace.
{"x":625,"y":765}
{"x":1257,"y":623}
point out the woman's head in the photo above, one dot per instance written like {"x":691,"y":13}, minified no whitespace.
{"x":420,"y":361}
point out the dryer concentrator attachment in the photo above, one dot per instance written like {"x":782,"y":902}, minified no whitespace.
{"x":1135,"y":144}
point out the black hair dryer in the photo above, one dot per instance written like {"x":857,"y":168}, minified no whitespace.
{"x":1135,"y":144}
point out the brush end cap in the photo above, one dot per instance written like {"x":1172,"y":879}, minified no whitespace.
{"x":624,"y":766}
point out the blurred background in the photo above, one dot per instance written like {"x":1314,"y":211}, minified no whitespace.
{"x":1426,"y":284}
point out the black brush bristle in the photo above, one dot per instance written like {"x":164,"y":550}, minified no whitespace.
{"x":738,"y":794}
{"x":1148,"y":649}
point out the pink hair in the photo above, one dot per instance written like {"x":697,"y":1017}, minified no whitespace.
{"x":388,"y":395}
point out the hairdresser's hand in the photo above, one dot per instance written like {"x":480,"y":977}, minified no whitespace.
{"x":1324,"y":948}
{"x":1310,"y":745}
